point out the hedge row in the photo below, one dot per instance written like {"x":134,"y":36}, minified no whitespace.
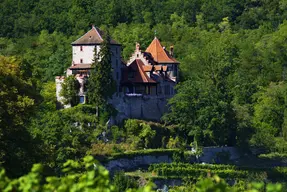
{"x":188,"y":165}
{"x":194,"y":172}
{"x":225,"y":171}
{"x":274,"y":156}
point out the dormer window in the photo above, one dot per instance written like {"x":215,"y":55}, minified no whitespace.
{"x":81,"y":48}
{"x":81,"y":60}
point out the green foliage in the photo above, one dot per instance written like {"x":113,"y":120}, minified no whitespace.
{"x":123,"y":182}
{"x":83,"y":175}
{"x":197,"y":171}
{"x":146,"y":134}
{"x":269,"y":116}
{"x":132,"y":126}
{"x":217,"y":184}
{"x":274,"y":156}
{"x":233,"y":73}
{"x":117,"y":133}
{"x":212,"y":184}
{"x":140,"y":134}
{"x":101,"y":84}
{"x":18,"y":98}
{"x":173,"y":143}
{"x":49,"y":97}
{"x":65,"y":134}
{"x":70,"y":90}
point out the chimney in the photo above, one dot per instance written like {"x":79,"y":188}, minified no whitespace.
{"x":137,"y":46}
{"x":171,"y":51}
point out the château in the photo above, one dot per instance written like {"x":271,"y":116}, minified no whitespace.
{"x":143,"y":83}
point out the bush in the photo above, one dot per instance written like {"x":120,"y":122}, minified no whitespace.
{"x":117,"y":134}
{"x":122,"y":182}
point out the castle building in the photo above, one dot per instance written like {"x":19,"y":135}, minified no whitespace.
{"x":83,"y":55}
{"x":153,"y":72}
{"x":144,"y":83}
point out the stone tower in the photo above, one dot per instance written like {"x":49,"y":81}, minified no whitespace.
{"x":83,"y":54}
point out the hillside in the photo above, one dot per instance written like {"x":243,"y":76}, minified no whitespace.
{"x":232,"y":89}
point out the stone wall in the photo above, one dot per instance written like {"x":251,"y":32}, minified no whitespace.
{"x":139,"y":106}
{"x":136,"y":161}
{"x":214,"y":154}
{"x":210,"y":154}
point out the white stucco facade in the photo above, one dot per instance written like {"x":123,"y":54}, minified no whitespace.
{"x":84,"y":53}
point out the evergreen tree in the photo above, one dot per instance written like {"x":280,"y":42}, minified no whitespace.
{"x":101,"y":85}
{"x":70,"y":90}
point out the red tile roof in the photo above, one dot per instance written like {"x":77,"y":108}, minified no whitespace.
{"x":159,"y":54}
{"x":137,"y":67}
{"x":92,"y":37}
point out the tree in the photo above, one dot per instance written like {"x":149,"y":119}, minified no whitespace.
{"x":64,"y":134}
{"x":70,"y":90}
{"x":123,"y":182}
{"x":101,"y":85}
{"x":17,"y":102}
{"x":203,"y":104}
{"x":270,"y":116}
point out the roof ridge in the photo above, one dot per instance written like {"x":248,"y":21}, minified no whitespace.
{"x":98,"y":32}
{"x":93,"y":37}
{"x":82,"y":35}
{"x":142,"y":71}
{"x":159,"y":53}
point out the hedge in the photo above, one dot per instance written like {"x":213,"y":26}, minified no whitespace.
{"x":273,"y":156}
{"x":182,"y":170}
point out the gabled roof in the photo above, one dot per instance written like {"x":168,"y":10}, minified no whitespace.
{"x":159,"y":54}
{"x":137,"y":66}
{"x":92,"y":37}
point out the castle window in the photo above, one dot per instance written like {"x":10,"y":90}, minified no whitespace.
{"x":82,"y":99}
{"x":81,"y":48}
{"x":117,"y":75}
{"x":117,"y":62}
{"x":81,"y":60}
